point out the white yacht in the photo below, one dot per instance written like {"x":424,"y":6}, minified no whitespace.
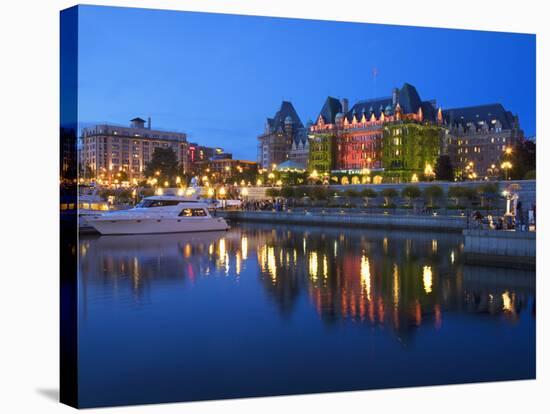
{"x":159,"y":214}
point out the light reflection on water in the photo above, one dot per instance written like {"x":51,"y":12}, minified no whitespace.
{"x":360,"y":309}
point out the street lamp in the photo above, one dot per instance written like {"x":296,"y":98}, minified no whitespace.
{"x":506,"y":165}
{"x":428,"y":171}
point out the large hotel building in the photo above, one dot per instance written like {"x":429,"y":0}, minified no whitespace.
{"x":400,"y":135}
{"x":478,"y":136}
{"x":108,"y":149}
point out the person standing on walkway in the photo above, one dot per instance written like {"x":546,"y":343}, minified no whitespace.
{"x":519,"y":215}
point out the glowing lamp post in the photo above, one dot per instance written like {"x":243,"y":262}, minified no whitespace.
{"x":506,"y":166}
{"x":429,"y":172}
{"x":314,"y":175}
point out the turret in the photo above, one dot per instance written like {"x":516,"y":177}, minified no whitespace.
{"x":395,"y":97}
{"x":288,"y":125}
{"x":345,"y":104}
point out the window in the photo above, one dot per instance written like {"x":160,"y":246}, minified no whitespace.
{"x":193,"y":212}
{"x":157,"y":203}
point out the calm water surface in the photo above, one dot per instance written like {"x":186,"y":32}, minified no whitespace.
{"x":265,"y":310}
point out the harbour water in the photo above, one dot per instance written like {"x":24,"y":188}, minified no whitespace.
{"x":267,"y":310}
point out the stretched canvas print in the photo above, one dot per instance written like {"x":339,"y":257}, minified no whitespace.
{"x":257,"y":206}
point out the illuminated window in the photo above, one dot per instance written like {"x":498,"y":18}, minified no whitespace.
{"x":193,"y":212}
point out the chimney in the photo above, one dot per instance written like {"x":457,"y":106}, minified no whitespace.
{"x":345,"y":103}
{"x":149,"y":122}
{"x":394,"y":97}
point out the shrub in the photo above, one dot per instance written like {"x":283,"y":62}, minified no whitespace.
{"x":410,"y":192}
{"x":470,"y":193}
{"x":432,"y":192}
{"x":287,"y":192}
{"x":388,"y":194}
{"x":319,"y":193}
{"x":351,"y":193}
{"x":368,"y":193}
{"x":456,"y":192}
{"x":300,"y":192}
{"x":489,"y":188}
{"x":487,"y":192}
{"x":272,"y":192}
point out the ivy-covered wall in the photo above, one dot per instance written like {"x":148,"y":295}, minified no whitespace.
{"x":408,"y":147}
{"x":321,"y":153}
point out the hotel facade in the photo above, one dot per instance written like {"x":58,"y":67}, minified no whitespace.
{"x":478,"y":137}
{"x":281,"y":133}
{"x":110,"y":149}
{"x":399,"y":134}
{"x":399,"y":137}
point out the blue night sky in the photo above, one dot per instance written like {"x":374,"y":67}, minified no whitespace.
{"x":218,"y":77}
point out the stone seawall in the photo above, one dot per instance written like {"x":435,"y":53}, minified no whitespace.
{"x":500,"y":248}
{"x":452,"y":224}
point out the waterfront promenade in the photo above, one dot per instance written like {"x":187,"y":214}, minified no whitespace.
{"x":346,"y":219}
{"x":501,"y":248}
{"x":515,"y":249}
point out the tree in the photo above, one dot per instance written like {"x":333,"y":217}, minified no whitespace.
{"x":351,"y":193}
{"x":272,"y":192}
{"x":300,"y":192}
{"x":523,"y":159}
{"x":287,"y":192}
{"x":319,"y":193}
{"x":388,"y":194}
{"x":121,"y":176}
{"x":456,"y":192}
{"x":367,"y":194}
{"x":163,"y":165}
{"x":431,"y":193}
{"x":411,"y":192}
{"x":88,"y":172}
{"x":444,"y":169}
{"x":487,"y":192}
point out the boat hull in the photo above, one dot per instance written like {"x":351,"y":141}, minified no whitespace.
{"x":161,"y":225}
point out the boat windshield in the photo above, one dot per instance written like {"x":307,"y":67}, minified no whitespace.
{"x":157,"y":203}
